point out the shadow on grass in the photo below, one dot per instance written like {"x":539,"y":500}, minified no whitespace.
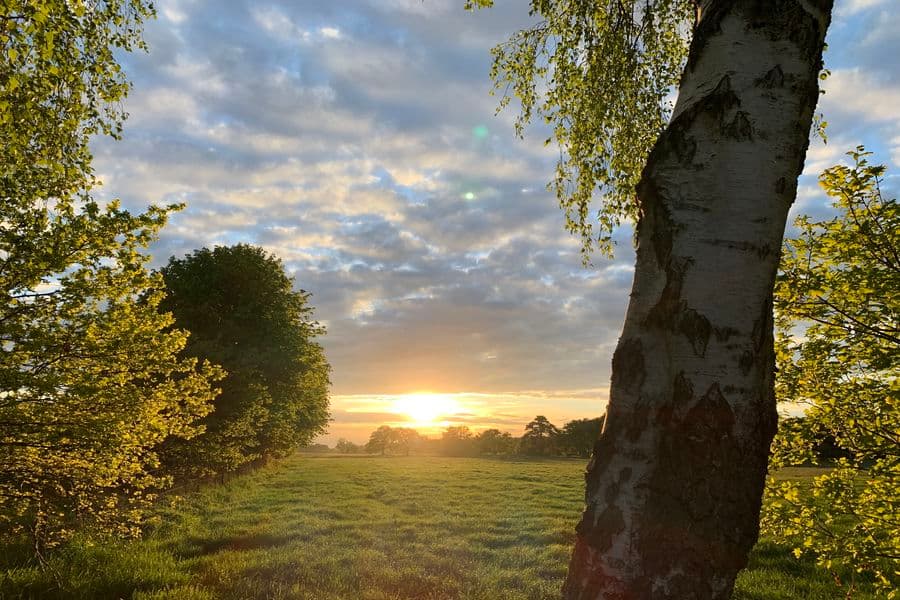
{"x":195,"y":547}
{"x":774,"y":573}
{"x":84,"y":569}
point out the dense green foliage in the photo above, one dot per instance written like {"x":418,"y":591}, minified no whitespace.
{"x":345,"y":446}
{"x":838,"y":316}
{"x":541,"y":438}
{"x":600,"y":74}
{"x":329,"y":528}
{"x":243,"y":313}
{"x":386,"y":440}
{"x":457,"y":440}
{"x":495,"y":442}
{"x":90,"y":379}
{"x":577,"y":438}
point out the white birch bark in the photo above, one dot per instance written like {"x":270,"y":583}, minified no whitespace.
{"x":674,"y":486}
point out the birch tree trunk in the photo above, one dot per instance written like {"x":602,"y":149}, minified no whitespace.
{"x":675,"y":483}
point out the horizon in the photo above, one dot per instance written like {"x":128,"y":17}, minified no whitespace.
{"x":364,"y":413}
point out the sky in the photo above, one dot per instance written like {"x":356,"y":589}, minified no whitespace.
{"x":358,"y":141}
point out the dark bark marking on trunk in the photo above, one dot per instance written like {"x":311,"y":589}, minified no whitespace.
{"x":684,"y":147}
{"x":637,"y":423}
{"x":681,"y":145}
{"x":723,"y":334}
{"x":675,"y":139}
{"x":600,"y":523}
{"x":599,"y":463}
{"x":762,"y":325}
{"x":600,"y":533}
{"x":668,"y":306}
{"x":781,"y":20}
{"x":682,"y":393}
{"x":693,"y":491}
{"x":628,"y":365}
{"x":709,"y":26}
{"x":773,"y":79}
{"x":683,"y":205}
{"x":760,"y":250}
{"x":596,"y":583}
{"x":673,"y":313}
{"x":655,"y":216}
{"x":696,"y":328}
{"x":718,"y":103}
{"x":740,"y":127}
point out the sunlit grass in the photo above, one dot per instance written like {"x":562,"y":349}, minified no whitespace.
{"x":368,"y":528}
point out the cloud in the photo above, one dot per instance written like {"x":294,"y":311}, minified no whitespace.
{"x":851,"y":7}
{"x":358,"y":142}
{"x":877,"y":105}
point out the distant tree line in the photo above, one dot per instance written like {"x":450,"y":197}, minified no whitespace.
{"x":541,"y":438}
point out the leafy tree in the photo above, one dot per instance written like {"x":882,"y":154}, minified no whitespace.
{"x":381,"y":440}
{"x":709,"y":182}
{"x":347,"y":447}
{"x":540,"y":437}
{"x":824,"y":445}
{"x":838,"y":316}
{"x":579,"y":436}
{"x":406,"y":439}
{"x":90,"y":379}
{"x":244,"y":314}
{"x":494,"y":441}
{"x":317,"y":448}
{"x":457,"y":441}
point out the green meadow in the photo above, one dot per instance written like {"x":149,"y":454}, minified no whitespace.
{"x":322,"y":528}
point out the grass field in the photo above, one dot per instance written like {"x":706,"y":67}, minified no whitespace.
{"x":323,"y":528}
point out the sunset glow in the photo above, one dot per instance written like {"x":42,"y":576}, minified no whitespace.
{"x":427,"y":409}
{"x":430,"y":413}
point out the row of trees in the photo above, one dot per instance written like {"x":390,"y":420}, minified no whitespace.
{"x":541,"y":438}
{"x":114,"y":378}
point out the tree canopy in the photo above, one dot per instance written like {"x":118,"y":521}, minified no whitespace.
{"x":838,"y":317}
{"x":540,"y":436}
{"x":600,"y":74}
{"x":457,"y":440}
{"x":243,"y":313}
{"x":579,"y":436}
{"x":494,"y":441}
{"x":90,"y":379}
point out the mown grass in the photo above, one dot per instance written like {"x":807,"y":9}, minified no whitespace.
{"x":324,"y":528}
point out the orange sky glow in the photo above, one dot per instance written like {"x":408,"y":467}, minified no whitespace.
{"x":356,"y":416}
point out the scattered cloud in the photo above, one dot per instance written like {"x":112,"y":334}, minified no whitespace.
{"x":359,"y":142}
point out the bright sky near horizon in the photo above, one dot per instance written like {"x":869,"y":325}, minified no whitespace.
{"x":357,"y":141}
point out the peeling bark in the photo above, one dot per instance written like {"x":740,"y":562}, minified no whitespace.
{"x":675,"y":482}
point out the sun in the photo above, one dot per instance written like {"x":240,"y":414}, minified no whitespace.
{"x":425,"y":408}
